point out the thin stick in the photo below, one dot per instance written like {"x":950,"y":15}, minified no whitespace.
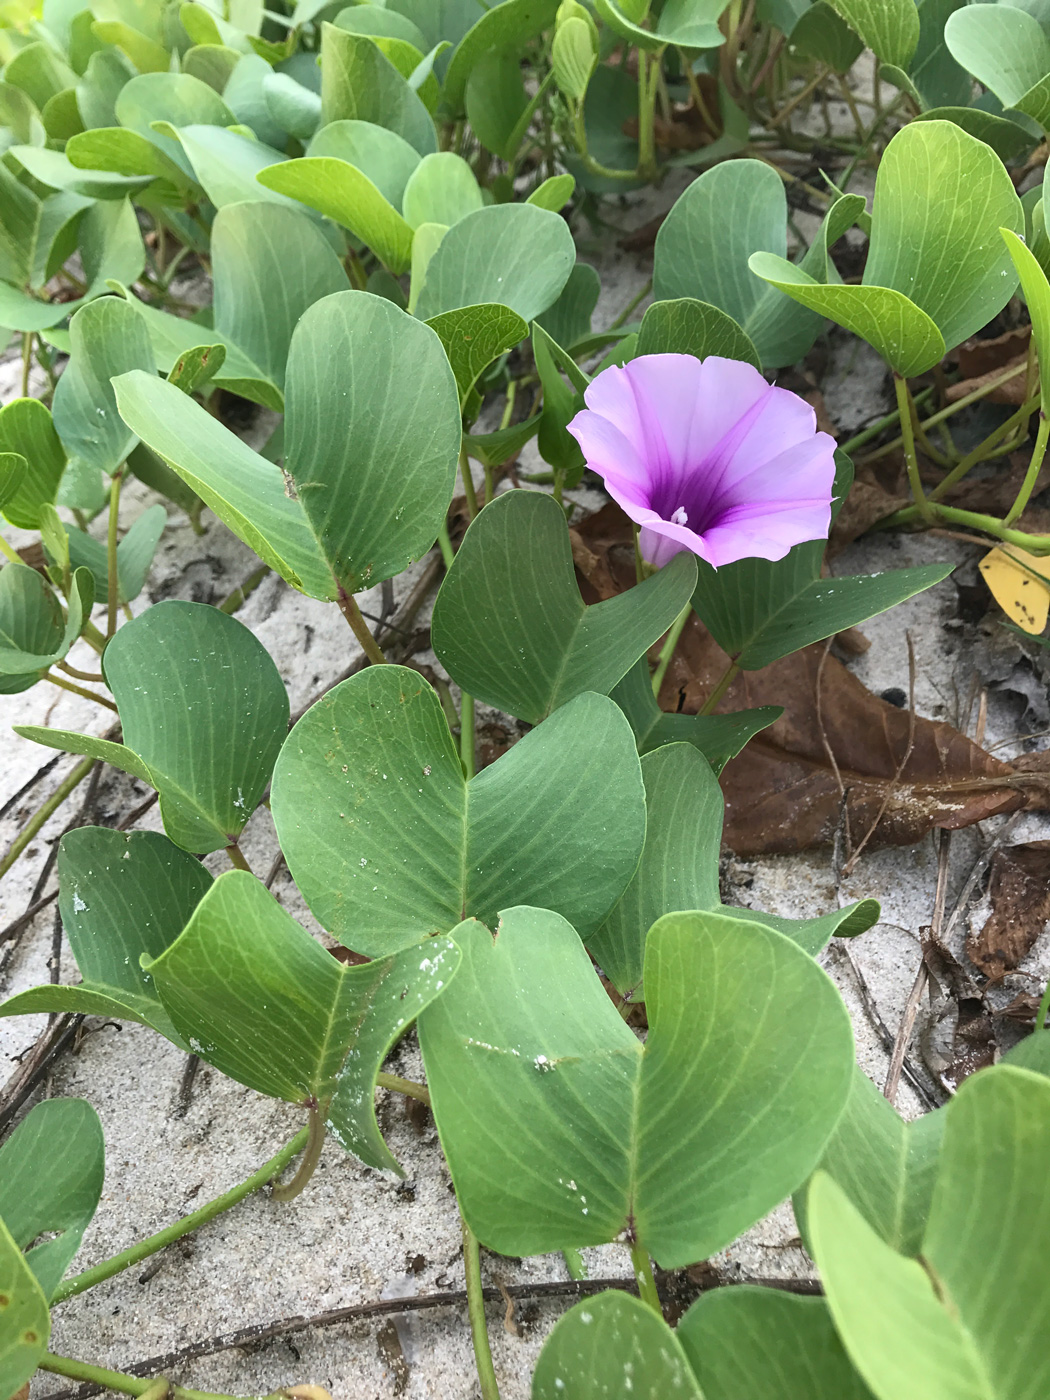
{"x":348,"y":607}
{"x":128,"y":1258}
{"x":850,"y":865}
{"x":40,"y":817}
{"x":476,"y":1311}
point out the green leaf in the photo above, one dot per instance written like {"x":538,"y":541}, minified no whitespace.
{"x":388,"y":843}
{"x":514,"y":254}
{"x":123,"y":897}
{"x":506,"y":28}
{"x":371,"y":20}
{"x":384,"y":157}
{"x":226,"y":163}
{"x":134,"y":554}
{"x":25,"y":1323}
{"x":748,"y":1341}
{"x":679,"y":871}
{"x":247,"y":493}
{"x":691,"y":24}
{"x":173,"y":337}
{"x":196,"y":367}
{"x":292,"y":106}
{"x":728,"y":213}
{"x":108,"y":338}
{"x":822,"y":35}
{"x":758,"y":610}
{"x":934,"y":274}
{"x":375,"y":470}
{"x":360,"y":82}
{"x":1007,"y":138}
{"x":511,"y":628}
{"x":890,"y":28}
{"x":257,"y":997}
{"x":718,"y":737}
{"x":13,"y":471}
{"x":54,"y":169}
{"x":147,"y":55}
{"x":690,"y":327}
{"x":180,"y":100}
{"x":557,"y":445}
{"x":33,"y":632}
{"x":569,"y":319}
{"x":39,"y":72}
{"x":441,"y":190}
{"x":494,"y":449}
{"x":342,"y":192}
{"x":51,"y":1170}
{"x":554,"y":1119}
{"x":939,"y":78}
{"x":26,"y":428}
{"x":127,"y":152}
{"x":613,"y":1344}
{"x":257,"y":246}
{"x":885,"y":1166}
{"x":496,"y":103}
{"x":474,"y":336}
{"x":1036,"y":291}
{"x":1008,"y":50}
{"x":204,"y":712}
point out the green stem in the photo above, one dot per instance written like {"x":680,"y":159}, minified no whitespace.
{"x":236,"y":856}
{"x":244,"y":591}
{"x":27,"y":361}
{"x":38,"y":819}
{"x":1032,"y":474}
{"x":314,"y":1146}
{"x":635,"y":300}
{"x":643,"y":1277}
{"x":75,"y":671}
{"x":951,"y":409}
{"x":79,"y":1283}
{"x":445,"y":544}
{"x":466,"y":733}
{"x":574,"y":1263}
{"x":647,"y":86}
{"x":1044,"y":1007}
{"x":729,"y":675}
{"x":667,"y":650}
{"x":93,"y":637}
{"x":874,"y":429}
{"x":983,"y":449}
{"x":468,"y":483}
{"x":697,"y":94}
{"x":348,"y":607}
{"x":408,"y":1087}
{"x":973,"y":520}
{"x":906,"y":408}
{"x":10,"y":551}
{"x":476,"y":1310}
{"x":119,"y":1381}
{"x":111,"y":553}
{"x":79,"y":690}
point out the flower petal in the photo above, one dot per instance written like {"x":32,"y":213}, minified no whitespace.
{"x":660,"y":541}
{"x":608,"y":449}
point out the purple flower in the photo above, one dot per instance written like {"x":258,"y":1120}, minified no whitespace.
{"x":704,"y":455}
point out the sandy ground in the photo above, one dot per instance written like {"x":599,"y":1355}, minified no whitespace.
{"x":357,"y":1235}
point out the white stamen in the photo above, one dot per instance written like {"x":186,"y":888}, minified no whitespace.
{"x":679,"y":517}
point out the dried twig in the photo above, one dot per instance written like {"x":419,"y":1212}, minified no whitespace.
{"x":285,"y":1327}
{"x":47,"y":1048}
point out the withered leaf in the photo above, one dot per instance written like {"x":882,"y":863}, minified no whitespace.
{"x":1019,"y":887}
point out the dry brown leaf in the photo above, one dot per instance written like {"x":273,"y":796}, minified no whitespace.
{"x":785,"y":791}
{"x":977,"y":356}
{"x":1020,"y":892}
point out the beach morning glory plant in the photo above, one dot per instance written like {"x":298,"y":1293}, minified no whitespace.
{"x":706,"y":456}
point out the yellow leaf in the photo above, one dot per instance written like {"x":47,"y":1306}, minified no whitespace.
{"x":1020,"y":584}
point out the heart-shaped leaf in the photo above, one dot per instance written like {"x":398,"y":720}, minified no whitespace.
{"x":33,"y":632}
{"x":613,"y":1345}
{"x":890,"y":28}
{"x":474,"y":336}
{"x":51,"y":1171}
{"x":360,"y":83}
{"x":263,"y":1002}
{"x":1007,"y":49}
{"x":25,"y":1322}
{"x":679,"y":871}
{"x":885,"y":1166}
{"x":554,"y":1118}
{"x":934,"y":273}
{"x":690,"y":327}
{"x":514,"y":254}
{"x":744,"y":1342}
{"x":26,"y":428}
{"x":511,"y":628}
{"x":947,"y":1326}
{"x":718,"y":737}
{"x":204,"y":712}
{"x":388,"y":842}
{"x":108,"y":337}
{"x":387,"y":461}
{"x":122,"y":898}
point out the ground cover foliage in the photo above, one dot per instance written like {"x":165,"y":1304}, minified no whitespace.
{"x":386,"y":195}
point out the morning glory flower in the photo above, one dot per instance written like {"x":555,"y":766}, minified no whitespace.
{"x":706,"y":456}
